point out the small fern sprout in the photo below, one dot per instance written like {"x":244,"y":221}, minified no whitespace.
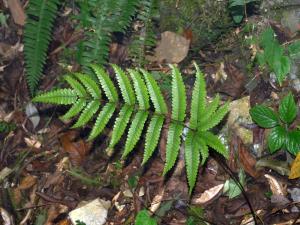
{"x":138,"y":88}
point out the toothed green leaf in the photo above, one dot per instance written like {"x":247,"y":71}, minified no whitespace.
{"x":198,"y":98}
{"x":203,"y":149}
{"x":106,"y":83}
{"x":90,"y":84}
{"x":215,"y":118}
{"x":173,"y":144}
{"x":125,"y":86}
{"x":135,"y":131}
{"x":80,"y":90}
{"x":87,"y":113}
{"x":152,"y":136}
{"x":214,"y":142}
{"x":209,"y":110}
{"x":140,"y":89}
{"x":102,"y":119}
{"x":155,"y":94}
{"x":192,"y":158}
{"x":75,"y":109}
{"x":178,"y":95}
{"x":60,"y":97}
{"x":120,"y":124}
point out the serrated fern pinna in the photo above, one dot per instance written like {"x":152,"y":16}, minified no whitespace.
{"x":37,"y":35}
{"x":85,"y":98}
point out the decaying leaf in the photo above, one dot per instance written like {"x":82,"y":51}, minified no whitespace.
{"x":172,"y":48}
{"x":27,"y":182}
{"x":6,"y":217}
{"x":208,"y":195}
{"x":275,"y":186}
{"x":77,"y":150}
{"x":295,"y":169}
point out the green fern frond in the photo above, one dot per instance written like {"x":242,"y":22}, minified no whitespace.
{"x":209,"y":110}
{"x":214,"y":142}
{"x":215,"y":118}
{"x":155,"y":94}
{"x":198,"y":99}
{"x":173,"y":144}
{"x":84,"y":96}
{"x":140,"y":89}
{"x":178,"y":95}
{"x":91,"y":86}
{"x":102,"y":119}
{"x":80,"y":90}
{"x":59,"y":97}
{"x":87,"y":113}
{"x":125,"y":86}
{"x":152,"y":136}
{"x":192,"y":158}
{"x":106,"y":83}
{"x":75,"y":109}
{"x":204,"y":152}
{"x":120,"y":124}
{"x":135,"y":131}
{"x":37,"y":35}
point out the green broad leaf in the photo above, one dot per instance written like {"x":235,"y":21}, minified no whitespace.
{"x":293,"y":142}
{"x":120,"y":124}
{"x":106,"y":83}
{"x":140,"y":90}
{"x":281,"y":68}
{"x":192,"y":158}
{"x":288,"y":109}
{"x":276,"y":138}
{"x":59,"y":97}
{"x":87,"y":113}
{"x":203,"y":149}
{"x":125,"y":85}
{"x":152,"y":136}
{"x":75,"y":109}
{"x":143,"y":218}
{"x":155,"y":94}
{"x":238,"y":17}
{"x":102,"y":119}
{"x":215,"y":118}
{"x":178,"y":95}
{"x":214,"y":142}
{"x":135,"y":131}
{"x":198,"y":98}
{"x":173,"y":144}
{"x":264,"y":116}
{"x":294,"y":50}
{"x":267,"y":37}
{"x":260,"y":57}
{"x":90,"y":85}
{"x":80,"y":90}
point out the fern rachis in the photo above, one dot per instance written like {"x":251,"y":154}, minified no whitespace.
{"x":135,"y":111}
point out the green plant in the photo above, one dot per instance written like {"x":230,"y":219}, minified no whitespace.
{"x":281,"y":136}
{"x":237,"y":9}
{"x":85,"y":97}
{"x":144,"y":39}
{"x":143,"y":218}
{"x":6,"y":127}
{"x":37,"y":35}
{"x":99,"y":19}
{"x":273,"y":55}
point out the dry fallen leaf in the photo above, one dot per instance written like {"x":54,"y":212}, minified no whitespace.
{"x":295,"y":169}
{"x":275,"y":185}
{"x":208,"y":195}
{"x":77,"y":150}
{"x":17,"y":11}
{"x":172,"y":48}
{"x":27,"y":182}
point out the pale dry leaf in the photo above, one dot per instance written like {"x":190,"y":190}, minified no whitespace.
{"x":208,"y":195}
{"x":32,"y":142}
{"x":27,"y":182}
{"x":32,"y":114}
{"x":6,"y":217}
{"x":275,"y":185}
{"x":172,"y":48}
{"x":157,"y":200}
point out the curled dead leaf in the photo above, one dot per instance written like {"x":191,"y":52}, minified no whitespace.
{"x":208,"y":195}
{"x":275,"y":185}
